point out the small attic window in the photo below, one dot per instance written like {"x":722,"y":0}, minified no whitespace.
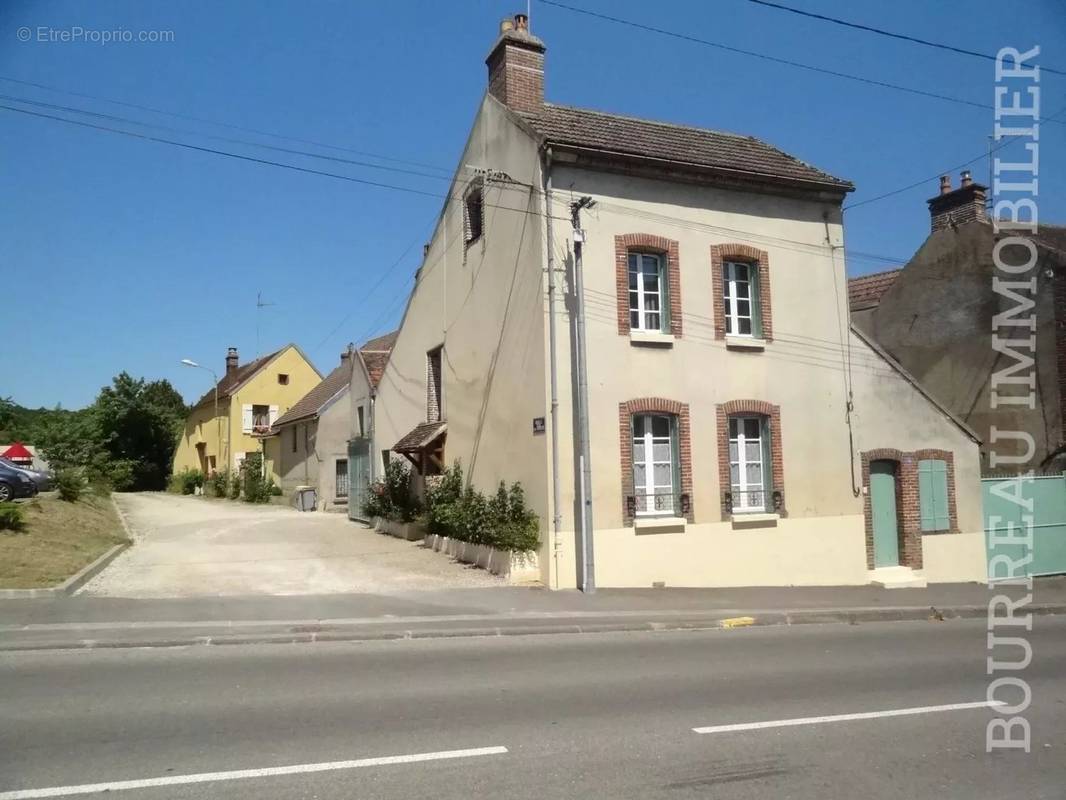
{"x":283,"y":378}
{"x":473,"y":213}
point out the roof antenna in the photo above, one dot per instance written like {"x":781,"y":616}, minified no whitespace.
{"x":259,"y":306}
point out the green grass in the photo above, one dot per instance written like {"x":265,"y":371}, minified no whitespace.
{"x":58,"y":539}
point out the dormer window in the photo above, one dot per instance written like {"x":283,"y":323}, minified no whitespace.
{"x":473,"y":213}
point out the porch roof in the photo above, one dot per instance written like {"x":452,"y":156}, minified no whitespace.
{"x":420,"y":437}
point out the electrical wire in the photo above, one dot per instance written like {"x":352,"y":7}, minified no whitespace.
{"x":881,"y":32}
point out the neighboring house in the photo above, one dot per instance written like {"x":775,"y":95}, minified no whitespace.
{"x":24,"y":455}
{"x":311,"y":442}
{"x":363,"y":463}
{"x":740,"y":433}
{"x":250,"y":399}
{"x":935,"y":316}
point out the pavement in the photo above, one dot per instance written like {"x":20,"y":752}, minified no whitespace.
{"x":824,"y":711}
{"x":194,"y":546}
{"x":106,"y":622}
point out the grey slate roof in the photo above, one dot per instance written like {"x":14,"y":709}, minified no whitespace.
{"x":700,"y":147}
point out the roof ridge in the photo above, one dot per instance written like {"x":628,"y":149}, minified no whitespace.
{"x":875,"y":274}
{"x":678,"y":125}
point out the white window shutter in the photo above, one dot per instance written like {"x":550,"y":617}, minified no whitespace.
{"x":273,"y":415}
{"x":246,"y":418}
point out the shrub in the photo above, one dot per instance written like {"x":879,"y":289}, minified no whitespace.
{"x":11,"y":518}
{"x":392,"y":497}
{"x":374,"y":504}
{"x":217,"y":484}
{"x":503,"y":521}
{"x":255,"y":487}
{"x":235,"y":485}
{"x":70,"y":484}
{"x":121,"y":475}
{"x":187,"y":481}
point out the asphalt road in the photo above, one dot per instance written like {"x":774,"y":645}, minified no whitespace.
{"x":592,"y":716}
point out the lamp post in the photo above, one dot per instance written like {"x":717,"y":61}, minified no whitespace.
{"x":218,"y":424}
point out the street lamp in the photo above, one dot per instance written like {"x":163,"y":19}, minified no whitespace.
{"x":218,"y":424}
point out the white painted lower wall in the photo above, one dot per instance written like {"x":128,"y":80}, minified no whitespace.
{"x":810,"y":551}
{"x":954,"y":558}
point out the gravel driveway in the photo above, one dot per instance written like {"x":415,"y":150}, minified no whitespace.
{"x":192,"y":546}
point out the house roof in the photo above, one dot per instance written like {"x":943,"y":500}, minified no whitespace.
{"x":698,"y":147}
{"x":375,"y":354}
{"x":420,"y":436}
{"x":229,"y":383}
{"x":865,"y":291}
{"x":313,"y":402}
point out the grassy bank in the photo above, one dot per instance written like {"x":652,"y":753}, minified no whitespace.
{"x":58,"y":539}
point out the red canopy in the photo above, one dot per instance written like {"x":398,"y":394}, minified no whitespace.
{"x":17,"y":453}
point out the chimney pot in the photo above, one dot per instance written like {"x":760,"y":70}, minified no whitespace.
{"x":945,"y":184}
{"x":521,"y":22}
{"x":232,"y":361}
{"x":506,"y":24}
{"x":967,"y":178}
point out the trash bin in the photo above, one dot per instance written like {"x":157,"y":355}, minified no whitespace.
{"x":305,"y":498}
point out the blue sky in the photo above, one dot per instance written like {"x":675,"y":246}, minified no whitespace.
{"x":124,"y":254}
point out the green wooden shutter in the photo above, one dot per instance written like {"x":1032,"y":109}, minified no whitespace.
{"x":756,"y":303}
{"x":933,"y":494}
{"x":664,"y":295}
{"x":767,"y":462}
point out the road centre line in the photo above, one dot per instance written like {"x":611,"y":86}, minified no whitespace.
{"x":788,"y":723}
{"x":266,"y":772}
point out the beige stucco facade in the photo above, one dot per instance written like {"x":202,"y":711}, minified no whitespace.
{"x":230,"y":433}
{"x":487,"y":305}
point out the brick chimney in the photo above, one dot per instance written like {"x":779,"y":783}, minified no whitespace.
{"x":516,"y":66}
{"x":232,"y":361}
{"x":954,"y":207}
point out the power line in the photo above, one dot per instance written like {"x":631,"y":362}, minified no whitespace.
{"x":191,"y":118}
{"x":767,"y":57}
{"x":881,"y":32}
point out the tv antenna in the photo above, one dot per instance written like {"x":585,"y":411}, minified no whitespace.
{"x":260,"y":304}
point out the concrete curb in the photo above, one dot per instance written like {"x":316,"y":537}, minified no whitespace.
{"x":82,"y":576}
{"x":515,"y":628}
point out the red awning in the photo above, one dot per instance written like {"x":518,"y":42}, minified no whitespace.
{"x":17,"y":453}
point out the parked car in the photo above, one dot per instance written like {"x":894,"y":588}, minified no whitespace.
{"x":42,"y":479}
{"x":15,"y":483}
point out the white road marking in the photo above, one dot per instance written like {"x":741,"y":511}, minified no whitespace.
{"x":787,"y":723}
{"x":266,"y":772}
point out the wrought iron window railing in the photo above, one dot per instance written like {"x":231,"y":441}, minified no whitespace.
{"x":753,"y":500}
{"x":664,"y":503}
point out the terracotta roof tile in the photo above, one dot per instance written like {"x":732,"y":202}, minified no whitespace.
{"x":579,"y":127}
{"x":376,"y":353}
{"x":865,"y":291}
{"x":420,"y":436}
{"x":230,"y":382}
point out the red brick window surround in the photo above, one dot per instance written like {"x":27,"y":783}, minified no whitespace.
{"x":664,"y":248}
{"x":772,"y":415}
{"x":655,"y":405}
{"x":760,"y":264}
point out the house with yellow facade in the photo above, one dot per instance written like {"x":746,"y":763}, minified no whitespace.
{"x":232,"y":418}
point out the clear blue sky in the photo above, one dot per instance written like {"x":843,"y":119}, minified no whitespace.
{"x":121,"y":254}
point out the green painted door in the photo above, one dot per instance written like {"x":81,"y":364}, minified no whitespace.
{"x":358,"y":476}
{"x":883,"y":509}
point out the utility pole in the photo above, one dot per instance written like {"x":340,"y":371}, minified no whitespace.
{"x":588,"y":561}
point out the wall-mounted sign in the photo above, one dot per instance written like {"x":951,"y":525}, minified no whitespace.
{"x":538,"y":425}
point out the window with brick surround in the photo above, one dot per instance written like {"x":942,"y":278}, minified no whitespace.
{"x":740,"y":280}
{"x":433,"y":385}
{"x":656,"y":458}
{"x":750,"y":461}
{"x":648,"y":284}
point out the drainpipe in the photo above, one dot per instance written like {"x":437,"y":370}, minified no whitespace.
{"x":557,"y":517}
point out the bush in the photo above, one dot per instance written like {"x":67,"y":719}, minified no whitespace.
{"x":392,"y":497}
{"x":235,"y":486}
{"x":11,"y":518}
{"x":255,"y":487}
{"x":217,"y":484}
{"x":70,"y":484}
{"x":503,"y":521}
{"x":187,"y":481}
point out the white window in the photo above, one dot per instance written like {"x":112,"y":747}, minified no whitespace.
{"x":748,"y":462}
{"x":741,"y":300}
{"x":260,"y":418}
{"x":654,"y":463}
{"x":646,"y":292}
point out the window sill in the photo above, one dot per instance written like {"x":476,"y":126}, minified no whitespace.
{"x":653,"y":338}
{"x":744,"y":343}
{"x":942,"y":532}
{"x":659,"y":524}
{"x":754,"y":520}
